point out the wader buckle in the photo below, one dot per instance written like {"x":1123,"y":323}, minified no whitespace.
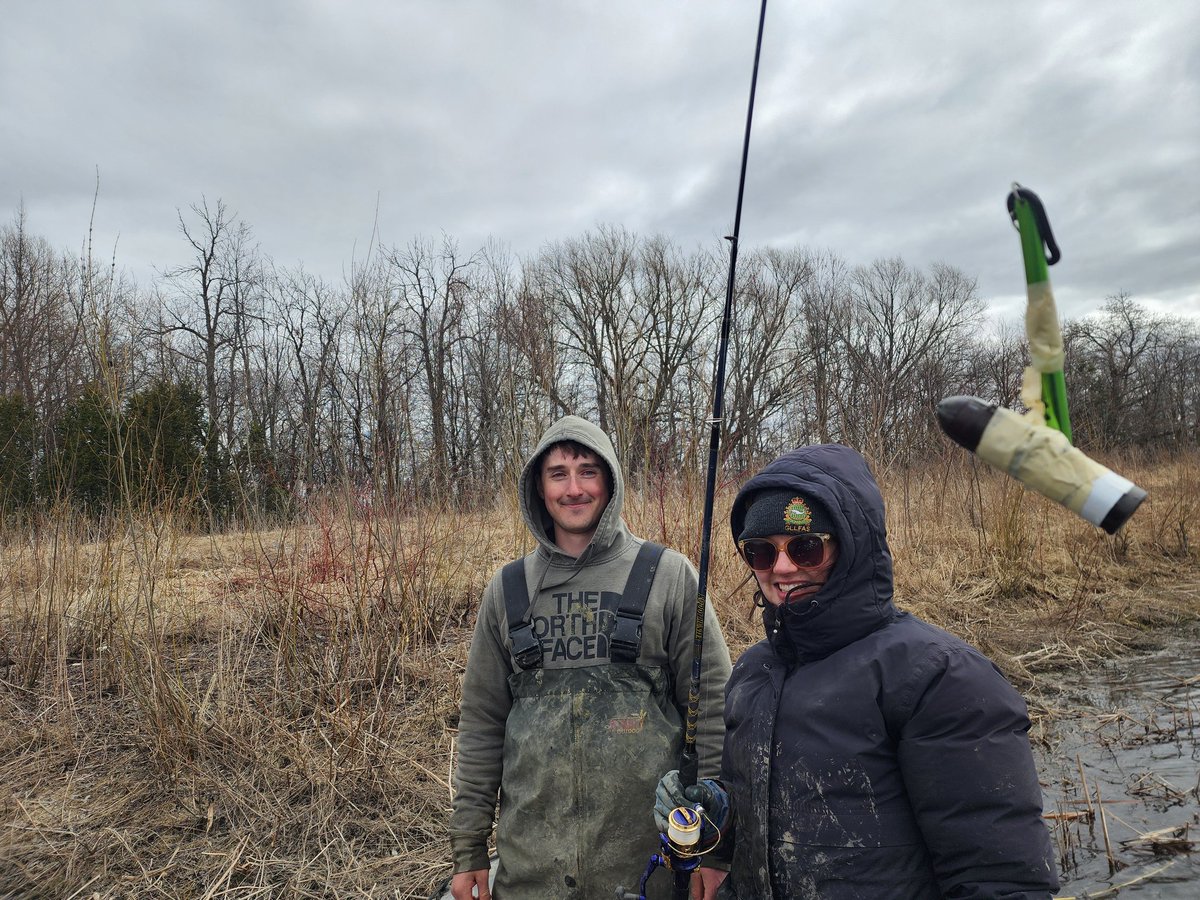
{"x":526,"y":649}
{"x":626,"y":638}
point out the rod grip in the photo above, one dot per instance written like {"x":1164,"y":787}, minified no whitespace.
{"x":689,"y":766}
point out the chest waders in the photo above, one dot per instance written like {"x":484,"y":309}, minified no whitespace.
{"x":584,"y":748}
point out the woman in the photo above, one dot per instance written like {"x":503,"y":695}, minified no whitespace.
{"x":868,"y":754}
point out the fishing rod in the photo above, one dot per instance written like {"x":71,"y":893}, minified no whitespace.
{"x":689,"y":769}
{"x":1035,"y":448}
{"x":678,"y":850}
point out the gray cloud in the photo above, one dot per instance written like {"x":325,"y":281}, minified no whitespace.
{"x":882,"y":129}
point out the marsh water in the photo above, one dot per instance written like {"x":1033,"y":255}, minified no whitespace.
{"x":1120,"y":765}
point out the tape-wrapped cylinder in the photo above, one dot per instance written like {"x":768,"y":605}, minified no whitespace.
{"x":1042,"y":459}
{"x":1042,"y":329}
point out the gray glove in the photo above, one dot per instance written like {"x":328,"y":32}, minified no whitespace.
{"x":707,"y":793}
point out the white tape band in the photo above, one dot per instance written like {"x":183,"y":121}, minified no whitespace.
{"x":1106,"y":491}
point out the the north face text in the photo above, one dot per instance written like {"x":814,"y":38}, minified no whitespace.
{"x":579,"y":628}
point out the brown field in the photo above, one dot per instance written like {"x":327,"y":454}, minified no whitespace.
{"x":272,"y":713}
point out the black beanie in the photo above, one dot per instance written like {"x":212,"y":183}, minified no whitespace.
{"x":785,"y":511}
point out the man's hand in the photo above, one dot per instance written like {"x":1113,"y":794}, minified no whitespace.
{"x":706,"y":881}
{"x":462,"y":883}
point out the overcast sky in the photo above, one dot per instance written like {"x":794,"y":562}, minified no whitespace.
{"x":881,"y":128}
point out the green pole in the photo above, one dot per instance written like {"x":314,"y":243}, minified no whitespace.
{"x":1026,"y":212}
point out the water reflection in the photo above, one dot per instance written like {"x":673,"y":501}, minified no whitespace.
{"x":1120,"y":764}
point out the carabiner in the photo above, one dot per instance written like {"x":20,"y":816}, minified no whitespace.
{"x":1041,"y":222}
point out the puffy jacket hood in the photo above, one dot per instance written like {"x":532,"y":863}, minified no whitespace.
{"x":857,"y":598}
{"x":610,"y":531}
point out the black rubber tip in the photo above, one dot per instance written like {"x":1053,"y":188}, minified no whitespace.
{"x":1123,"y":509}
{"x":964,"y":419}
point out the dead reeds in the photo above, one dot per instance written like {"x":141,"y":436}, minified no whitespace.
{"x":272,"y":713}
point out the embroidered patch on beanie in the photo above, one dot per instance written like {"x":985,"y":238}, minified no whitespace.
{"x":797,"y":516}
{"x":784,"y":511}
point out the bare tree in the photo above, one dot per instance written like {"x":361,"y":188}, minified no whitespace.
{"x":1131,"y":375}
{"x":41,"y":323}
{"x":207,"y":306}
{"x":601,"y":327}
{"x":529,"y":320}
{"x":311,"y":317}
{"x":680,"y":297}
{"x":433,"y":289}
{"x":904,"y":332}
{"x":501,"y":372}
{"x":825,"y":310}
{"x":375,"y":377}
{"x":767,"y":373}
{"x":994,"y":364}
{"x":630,"y":318}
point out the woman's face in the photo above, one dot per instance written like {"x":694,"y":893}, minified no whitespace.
{"x":786,"y":582}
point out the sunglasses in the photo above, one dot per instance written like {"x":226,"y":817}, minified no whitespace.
{"x":807,"y":551}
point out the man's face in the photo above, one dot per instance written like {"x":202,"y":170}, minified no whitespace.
{"x":575,"y":493}
{"x":787,"y":582}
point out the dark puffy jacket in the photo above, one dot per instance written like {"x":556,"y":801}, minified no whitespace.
{"x":869,"y":753}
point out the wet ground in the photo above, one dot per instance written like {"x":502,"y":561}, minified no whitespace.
{"x":1120,"y":766}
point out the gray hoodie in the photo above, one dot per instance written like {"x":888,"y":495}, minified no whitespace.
{"x":576,"y":747}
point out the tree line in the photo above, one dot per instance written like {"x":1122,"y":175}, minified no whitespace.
{"x":431,"y":371}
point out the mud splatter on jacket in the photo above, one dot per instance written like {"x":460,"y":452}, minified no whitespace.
{"x":869,"y":753}
{"x":576,"y":747}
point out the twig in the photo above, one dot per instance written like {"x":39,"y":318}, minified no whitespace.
{"x":1112,"y":862}
{"x":235,"y":857}
{"x":1083,"y":782}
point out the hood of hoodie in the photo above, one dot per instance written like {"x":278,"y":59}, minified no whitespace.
{"x":610,"y":531}
{"x":857,"y":597}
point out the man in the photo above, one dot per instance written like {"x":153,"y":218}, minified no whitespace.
{"x":867,"y":754}
{"x":574,"y":695}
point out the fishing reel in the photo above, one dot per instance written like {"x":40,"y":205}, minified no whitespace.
{"x":678,"y":852}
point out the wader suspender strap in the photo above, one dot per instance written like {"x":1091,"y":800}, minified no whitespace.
{"x":626,"y":640}
{"x":627,"y":636}
{"x":525,"y":647}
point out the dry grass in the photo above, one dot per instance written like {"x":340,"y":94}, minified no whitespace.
{"x":272,"y":713}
